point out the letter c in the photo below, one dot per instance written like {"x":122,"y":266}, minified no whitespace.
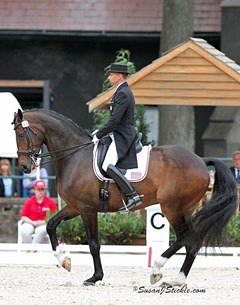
{"x":159,"y":227}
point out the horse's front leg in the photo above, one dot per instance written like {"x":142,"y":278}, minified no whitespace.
{"x":65,"y":214}
{"x":91,"y":224}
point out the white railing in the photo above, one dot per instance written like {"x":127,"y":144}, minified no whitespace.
{"x":115,"y":249}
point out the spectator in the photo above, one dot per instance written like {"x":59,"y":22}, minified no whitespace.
{"x":29,"y":180}
{"x":34,"y":214}
{"x":7,"y":183}
{"x":235,"y":169}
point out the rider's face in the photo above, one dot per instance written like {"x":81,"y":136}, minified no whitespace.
{"x":115,"y":78}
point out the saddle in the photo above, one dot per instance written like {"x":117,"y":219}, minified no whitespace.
{"x":133,"y":175}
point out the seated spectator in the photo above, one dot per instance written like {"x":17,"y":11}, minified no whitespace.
{"x":29,"y":180}
{"x":7,"y":183}
{"x":34,"y":214}
{"x":235,"y":169}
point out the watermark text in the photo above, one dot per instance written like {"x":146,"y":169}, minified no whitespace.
{"x":165,"y":289}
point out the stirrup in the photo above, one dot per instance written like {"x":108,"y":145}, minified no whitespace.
{"x":131,"y":203}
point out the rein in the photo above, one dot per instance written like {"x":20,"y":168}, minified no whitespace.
{"x":31,"y":152}
{"x":46,"y":155}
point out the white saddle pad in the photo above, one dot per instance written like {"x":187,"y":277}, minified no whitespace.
{"x":133,"y":175}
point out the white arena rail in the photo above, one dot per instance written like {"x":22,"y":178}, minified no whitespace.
{"x":41,"y":254}
{"x":112,"y":249}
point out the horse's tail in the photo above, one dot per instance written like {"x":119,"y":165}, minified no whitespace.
{"x":208,"y":222}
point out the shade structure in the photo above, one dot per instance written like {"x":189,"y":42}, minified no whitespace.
{"x":8,"y":105}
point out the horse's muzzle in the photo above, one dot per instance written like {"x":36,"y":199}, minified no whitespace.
{"x":26,"y":169}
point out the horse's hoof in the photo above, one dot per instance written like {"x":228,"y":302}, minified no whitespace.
{"x":166,"y":284}
{"x":172,"y":284}
{"x":87,"y":283}
{"x":93,"y":280}
{"x":154,"y":278}
{"x":66,"y":264}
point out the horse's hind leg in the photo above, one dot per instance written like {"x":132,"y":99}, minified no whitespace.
{"x":185,"y":237}
{"x":159,"y":263}
{"x":187,"y":264}
{"x":91,"y":224}
{"x":65,"y":214}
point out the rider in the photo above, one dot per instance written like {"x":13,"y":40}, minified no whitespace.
{"x":120,"y":126}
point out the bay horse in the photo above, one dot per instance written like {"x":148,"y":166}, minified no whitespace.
{"x":177,"y":179}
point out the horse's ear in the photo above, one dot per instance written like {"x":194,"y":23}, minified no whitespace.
{"x":20,"y":114}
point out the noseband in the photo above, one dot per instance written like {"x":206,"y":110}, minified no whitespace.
{"x":31,"y":152}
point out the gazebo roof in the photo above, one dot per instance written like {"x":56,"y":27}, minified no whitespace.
{"x":192,"y":73}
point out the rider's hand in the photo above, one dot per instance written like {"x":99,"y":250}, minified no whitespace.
{"x":94,"y":132}
{"x":95,"y":139}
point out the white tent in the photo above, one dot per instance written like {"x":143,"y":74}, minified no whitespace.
{"x":9,"y":105}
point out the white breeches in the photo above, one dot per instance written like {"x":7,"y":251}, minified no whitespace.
{"x":111,"y":155}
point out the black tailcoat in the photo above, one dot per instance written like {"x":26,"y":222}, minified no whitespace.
{"x":121,"y":124}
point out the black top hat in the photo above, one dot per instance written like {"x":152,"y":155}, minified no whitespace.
{"x":119,"y":68}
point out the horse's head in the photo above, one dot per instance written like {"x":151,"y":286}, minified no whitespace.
{"x":29,"y":141}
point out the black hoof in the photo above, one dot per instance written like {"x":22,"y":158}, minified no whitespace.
{"x":92,"y":280}
{"x":87,"y":283}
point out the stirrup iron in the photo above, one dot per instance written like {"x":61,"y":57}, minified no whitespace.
{"x":129,"y":206}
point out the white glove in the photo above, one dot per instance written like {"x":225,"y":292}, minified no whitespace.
{"x":94,"y":132}
{"x":95,"y":139}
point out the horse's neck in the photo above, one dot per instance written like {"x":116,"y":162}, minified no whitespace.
{"x":60,"y":141}
{"x":59,"y":136}
{"x":63,"y":141}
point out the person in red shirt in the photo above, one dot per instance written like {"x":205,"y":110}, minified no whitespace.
{"x":34,"y":214}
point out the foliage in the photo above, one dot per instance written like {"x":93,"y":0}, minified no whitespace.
{"x":72,"y":232}
{"x":231,"y":235}
{"x":140,"y":124}
{"x":114,"y":229}
{"x":172,"y":236}
{"x":120,"y":229}
{"x":100,"y":118}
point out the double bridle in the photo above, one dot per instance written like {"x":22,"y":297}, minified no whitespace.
{"x":32,"y":153}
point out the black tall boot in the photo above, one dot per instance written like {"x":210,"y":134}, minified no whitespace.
{"x":133,"y":199}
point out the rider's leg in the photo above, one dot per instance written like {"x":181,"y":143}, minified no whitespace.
{"x":133,"y":199}
{"x":111,"y":155}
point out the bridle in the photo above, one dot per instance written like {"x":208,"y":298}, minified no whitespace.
{"x":33,"y":154}
{"x":31,"y":151}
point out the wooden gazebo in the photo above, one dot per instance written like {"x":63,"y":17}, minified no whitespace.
{"x":192,"y":73}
